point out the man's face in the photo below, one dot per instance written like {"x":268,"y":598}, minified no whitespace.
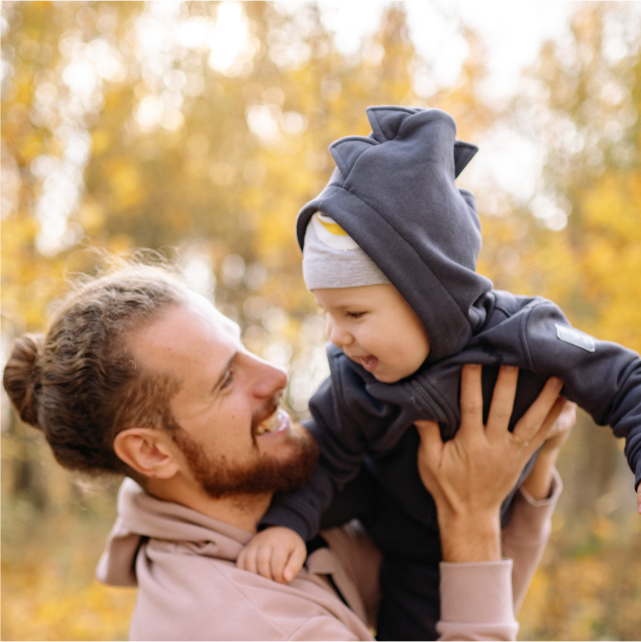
{"x":375,"y":326}
{"x":234,"y":437}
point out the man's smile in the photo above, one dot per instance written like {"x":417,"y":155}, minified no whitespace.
{"x":278,"y":422}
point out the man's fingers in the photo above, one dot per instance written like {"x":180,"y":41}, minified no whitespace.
{"x":471,"y":398}
{"x":431,"y":440}
{"x":540,"y":415}
{"x":502,"y":401}
{"x":430,"y":452}
{"x":561,"y":428}
{"x":639,"y":499}
{"x":295,"y":563}
{"x":549,"y":427}
{"x":429,"y":432}
{"x":541,"y":435}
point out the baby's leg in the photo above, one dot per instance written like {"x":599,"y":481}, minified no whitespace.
{"x":353,"y":502}
{"x":409,"y":580}
{"x":410,"y":605}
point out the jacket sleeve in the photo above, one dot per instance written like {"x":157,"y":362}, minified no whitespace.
{"x":343,"y":428}
{"x":603,"y":378}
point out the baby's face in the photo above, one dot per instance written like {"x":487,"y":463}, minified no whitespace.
{"x":374,"y":326}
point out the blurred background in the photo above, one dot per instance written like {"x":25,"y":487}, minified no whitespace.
{"x":198,"y":129}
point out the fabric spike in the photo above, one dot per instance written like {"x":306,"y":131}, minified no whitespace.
{"x":346,"y":151}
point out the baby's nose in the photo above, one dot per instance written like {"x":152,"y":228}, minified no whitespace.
{"x":339,"y":336}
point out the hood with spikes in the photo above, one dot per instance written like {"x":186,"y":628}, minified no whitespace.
{"x":394,"y":193}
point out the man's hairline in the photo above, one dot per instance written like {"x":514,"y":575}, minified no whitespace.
{"x":139,"y":359}
{"x":180,"y":302}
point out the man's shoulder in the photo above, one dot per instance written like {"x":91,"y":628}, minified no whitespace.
{"x":183,"y":595}
{"x":186,"y":592}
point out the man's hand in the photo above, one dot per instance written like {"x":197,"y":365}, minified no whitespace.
{"x":560,"y":430}
{"x":277,"y":553}
{"x":539,"y":482}
{"x":470,"y":475}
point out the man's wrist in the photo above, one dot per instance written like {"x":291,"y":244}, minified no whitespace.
{"x":470,"y":538}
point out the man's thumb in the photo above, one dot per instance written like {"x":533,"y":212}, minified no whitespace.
{"x":430,"y":434}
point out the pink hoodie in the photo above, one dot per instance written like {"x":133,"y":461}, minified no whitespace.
{"x":189,"y":588}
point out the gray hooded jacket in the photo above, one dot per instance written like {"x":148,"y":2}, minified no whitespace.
{"x":394,"y":193}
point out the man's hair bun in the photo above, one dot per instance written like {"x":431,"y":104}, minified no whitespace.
{"x":22,"y":376}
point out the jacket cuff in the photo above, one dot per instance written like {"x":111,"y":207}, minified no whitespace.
{"x":283,"y":517}
{"x":478,"y":593}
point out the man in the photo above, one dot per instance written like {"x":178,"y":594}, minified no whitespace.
{"x":137,"y":374}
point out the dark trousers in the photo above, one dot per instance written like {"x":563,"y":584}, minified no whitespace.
{"x":410,"y":603}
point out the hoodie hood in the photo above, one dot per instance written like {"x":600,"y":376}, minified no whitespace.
{"x":394,"y":193}
{"x":141,"y":517}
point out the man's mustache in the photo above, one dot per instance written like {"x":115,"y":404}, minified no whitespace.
{"x":270,"y":407}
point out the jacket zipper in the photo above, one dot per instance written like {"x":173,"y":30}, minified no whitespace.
{"x":429,"y":400}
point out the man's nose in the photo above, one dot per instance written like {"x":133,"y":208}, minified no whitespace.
{"x":269,"y":379}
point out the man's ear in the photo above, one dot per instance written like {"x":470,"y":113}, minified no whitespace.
{"x":149,"y":451}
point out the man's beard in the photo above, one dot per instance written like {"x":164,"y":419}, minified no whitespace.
{"x":266,"y":474}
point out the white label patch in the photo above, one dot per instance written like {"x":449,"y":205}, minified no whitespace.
{"x":575,"y":337}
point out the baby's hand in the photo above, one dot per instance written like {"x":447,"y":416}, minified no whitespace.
{"x":277,"y":553}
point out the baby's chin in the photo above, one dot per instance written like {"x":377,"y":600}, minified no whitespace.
{"x":387,"y":374}
{"x":388,"y":377}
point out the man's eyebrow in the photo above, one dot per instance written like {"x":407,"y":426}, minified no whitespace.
{"x":224,"y":372}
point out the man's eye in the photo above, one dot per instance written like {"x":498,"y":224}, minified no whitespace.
{"x":228,"y":380}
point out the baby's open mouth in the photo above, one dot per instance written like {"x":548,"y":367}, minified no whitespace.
{"x":369,"y":363}
{"x":273,"y":423}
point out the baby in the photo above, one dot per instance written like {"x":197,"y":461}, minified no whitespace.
{"x":389,"y":251}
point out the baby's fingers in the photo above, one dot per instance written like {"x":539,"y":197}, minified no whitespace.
{"x":295,"y":563}
{"x":247,"y":559}
{"x":276,"y":553}
{"x":264,"y":562}
{"x":277,"y":562}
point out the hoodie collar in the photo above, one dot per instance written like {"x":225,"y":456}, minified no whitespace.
{"x":142,"y":516}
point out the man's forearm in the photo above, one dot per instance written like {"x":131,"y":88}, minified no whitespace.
{"x":525,"y":537}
